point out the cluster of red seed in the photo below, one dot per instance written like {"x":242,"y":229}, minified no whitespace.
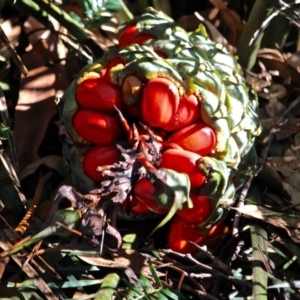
{"x":173,"y":117}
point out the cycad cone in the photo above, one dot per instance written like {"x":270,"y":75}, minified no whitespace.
{"x":197,"y":66}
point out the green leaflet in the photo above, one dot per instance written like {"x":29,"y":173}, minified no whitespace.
{"x":144,"y":289}
{"x":172,"y":191}
{"x":68,"y":217}
{"x":4,"y":133}
{"x":108,"y":287}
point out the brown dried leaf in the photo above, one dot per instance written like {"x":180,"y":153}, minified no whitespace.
{"x":52,"y":161}
{"x":273,"y":200}
{"x":272,"y":54}
{"x":273,"y":91}
{"x":294,"y":193}
{"x":34,"y":109}
{"x":214,"y":34}
{"x":79,"y":294}
{"x":12,"y":52}
{"x":286,"y":165}
{"x":274,"y":60}
{"x":294,"y":149}
{"x":231,"y":19}
{"x":30,"y":271}
{"x":268,"y":124}
{"x":122,"y":259}
{"x":289,"y":182}
{"x":293,"y":59}
{"x":294,"y":180}
{"x":191,"y":22}
{"x":289,"y":222}
{"x":274,"y":108}
{"x":208,"y":19}
{"x":297,"y":142}
{"x":12,"y":30}
{"x":257,"y":84}
{"x":289,"y":128}
{"x":270,"y":177}
{"x":3,"y":264}
{"x":36,"y":104}
{"x":40,"y":48}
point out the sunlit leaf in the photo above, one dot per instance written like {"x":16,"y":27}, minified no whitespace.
{"x":174,"y":295}
{"x":286,"y":220}
{"x":159,"y":296}
{"x":108,"y":287}
{"x":76,"y":18}
{"x":172,"y":191}
{"x":4,"y":133}
{"x":68,"y":217}
{"x":154,"y":274}
{"x":294,"y":284}
{"x":96,"y":12}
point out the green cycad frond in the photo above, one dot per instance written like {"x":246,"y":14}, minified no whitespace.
{"x":4,"y":133}
{"x":98,"y":12}
{"x":146,"y":290}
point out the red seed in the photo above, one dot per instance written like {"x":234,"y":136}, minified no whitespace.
{"x":133,"y":111}
{"x":141,"y":39}
{"x":160,"y":100}
{"x":181,"y":232}
{"x":99,"y":156}
{"x":138,"y":207}
{"x":112,"y":63}
{"x":127,"y":36}
{"x":96,"y":127}
{"x":161,"y":54}
{"x":215,"y":234}
{"x":97,"y":94}
{"x":144,"y":191}
{"x":183,"y":161}
{"x":200,"y":211}
{"x":198,"y":138}
{"x":188,"y":111}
